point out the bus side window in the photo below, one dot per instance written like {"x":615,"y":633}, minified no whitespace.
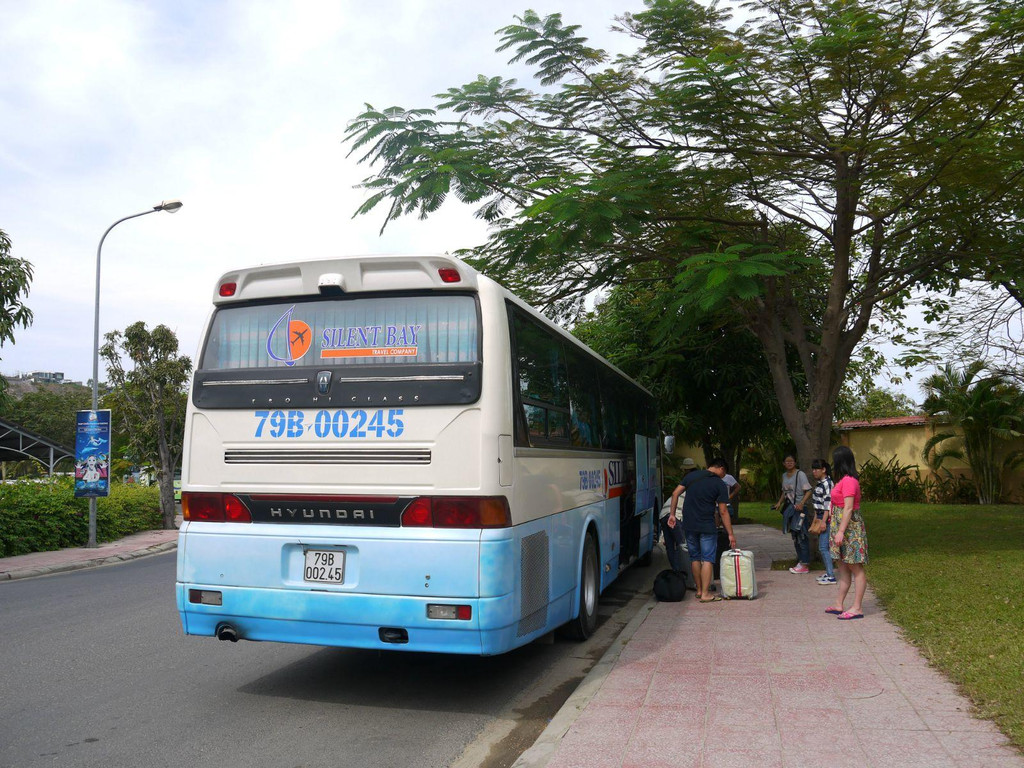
{"x":542,"y":386}
{"x":584,"y":399}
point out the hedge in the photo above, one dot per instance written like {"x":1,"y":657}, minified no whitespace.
{"x":36,"y":517}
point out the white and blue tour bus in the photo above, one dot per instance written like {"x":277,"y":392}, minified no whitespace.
{"x":395,"y":452}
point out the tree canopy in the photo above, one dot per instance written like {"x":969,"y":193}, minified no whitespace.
{"x":50,"y":410}
{"x":148,"y":399}
{"x":15,"y":277}
{"x":988,"y":409}
{"x":804,"y":169}
{"x":709,"y":376}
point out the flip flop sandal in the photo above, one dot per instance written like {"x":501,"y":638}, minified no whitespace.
{"x":715,"y":599}
{"x":847,"y":616}
{"x":835,"y":611}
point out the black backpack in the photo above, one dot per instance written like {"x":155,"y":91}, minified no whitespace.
{"x":670,"y":586}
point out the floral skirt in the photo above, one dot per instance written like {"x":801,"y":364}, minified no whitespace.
{"x":855,"y":540}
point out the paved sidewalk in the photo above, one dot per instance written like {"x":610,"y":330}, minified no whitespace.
{"x":763,"y":684}
{"x":128,"y":548}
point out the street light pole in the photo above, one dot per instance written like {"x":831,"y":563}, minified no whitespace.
{"x":170,"y":206}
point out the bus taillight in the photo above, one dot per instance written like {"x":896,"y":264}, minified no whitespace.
{"x":449,"y":275}
{"x":214,"y":508}
{"x":457,"y":512}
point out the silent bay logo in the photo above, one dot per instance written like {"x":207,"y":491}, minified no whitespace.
{"x":298,"y":337}
{"x":290,"y":339}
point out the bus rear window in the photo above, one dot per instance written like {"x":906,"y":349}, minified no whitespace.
{"x":343,"y":332}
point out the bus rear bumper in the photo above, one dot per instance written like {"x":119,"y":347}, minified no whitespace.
{"x":340,"y":619}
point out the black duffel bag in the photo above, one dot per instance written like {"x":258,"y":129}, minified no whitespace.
{"x":670,"y":586}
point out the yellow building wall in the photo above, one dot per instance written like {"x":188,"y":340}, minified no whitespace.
{"x":907,"y":443}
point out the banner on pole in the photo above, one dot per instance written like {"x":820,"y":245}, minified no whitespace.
{"x":92,"y":454}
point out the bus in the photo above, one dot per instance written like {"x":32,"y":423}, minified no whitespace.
{"x":395,"y":452}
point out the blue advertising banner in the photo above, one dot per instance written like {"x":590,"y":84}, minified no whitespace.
{"x":92,"y":454}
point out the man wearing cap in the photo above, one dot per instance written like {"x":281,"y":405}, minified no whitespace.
{"x":704,"y":492}
{"x":674,"y":533}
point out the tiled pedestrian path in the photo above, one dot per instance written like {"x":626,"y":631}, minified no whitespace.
{"x":773,"y":682}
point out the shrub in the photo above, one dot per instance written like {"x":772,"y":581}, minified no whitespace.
{"x":41,"y":516}
{"x":946,"y":488}
{"x":891,"y":481}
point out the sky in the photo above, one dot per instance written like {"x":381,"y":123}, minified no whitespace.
{"x":238,"y":109}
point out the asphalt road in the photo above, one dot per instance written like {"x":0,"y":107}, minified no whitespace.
{"x":95,"y":671}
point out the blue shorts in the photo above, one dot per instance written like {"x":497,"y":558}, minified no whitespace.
{"x":703,"y":547}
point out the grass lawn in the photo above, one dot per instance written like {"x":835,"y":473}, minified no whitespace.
{"x":953,"y":578}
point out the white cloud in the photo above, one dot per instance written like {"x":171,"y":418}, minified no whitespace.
{"x":239,"y":109}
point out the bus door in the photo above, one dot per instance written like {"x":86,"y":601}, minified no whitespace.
{"x":646,"y":503}
{"x":634,"y":523}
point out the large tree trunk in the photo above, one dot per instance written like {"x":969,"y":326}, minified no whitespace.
{"x":165,"y":475}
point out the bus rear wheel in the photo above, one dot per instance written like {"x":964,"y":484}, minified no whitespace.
{"x":585,"y":623}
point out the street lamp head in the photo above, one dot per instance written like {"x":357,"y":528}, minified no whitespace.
{"x":168,"y":205}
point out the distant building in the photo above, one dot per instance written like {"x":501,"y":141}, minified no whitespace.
{"x":47,"y":377}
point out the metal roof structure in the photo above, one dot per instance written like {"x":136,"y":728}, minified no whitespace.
{"x":18,"y":444}
{"x":890,"y":421}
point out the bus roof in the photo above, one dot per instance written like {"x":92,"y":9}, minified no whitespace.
{"x":349,"y":274}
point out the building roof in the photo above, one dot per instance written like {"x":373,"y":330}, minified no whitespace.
{"x":892,"y":421}
{"x":18,"y":444}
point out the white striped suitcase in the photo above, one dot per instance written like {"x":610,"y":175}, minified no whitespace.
{"x":738,"y":579}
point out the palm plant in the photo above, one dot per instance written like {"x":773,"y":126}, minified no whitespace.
{"x":989,"y":411}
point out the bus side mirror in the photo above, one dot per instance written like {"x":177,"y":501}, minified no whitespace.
{"x":670,"y":444}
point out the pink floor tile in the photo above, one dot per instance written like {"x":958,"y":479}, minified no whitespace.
{"x":742,"y":717}
{"x":806,"y":699}
{"x":978,"y":748}
{"x":828,"y":712}
{"x":733,"y":696}
{"x":583,"y":748}
{"x":794,"y":757}
{"x":627,"y":697}
{"x":745,"y":758}
{"x":758,"y":681}
{"x":960,"y":720}
{"x":660,"y":761}
{"x":734,"y":738}
{"x":679,"y":696}
{"x":837,"y":738}
{"x":885,"y":747}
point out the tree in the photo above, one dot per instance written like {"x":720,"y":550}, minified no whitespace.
{"x":804,"y":170}
{"x":878,"y":403}
{"x":985,"y":320}
{"x":49,"y":410}
{"x":710,"y":378}
{"x":148,"y":399}
{"x":15,"y":277}
{"x":989,"y":410}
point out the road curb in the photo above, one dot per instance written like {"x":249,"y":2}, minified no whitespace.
{"x":543,"y":749}
{"x":28,"y":573}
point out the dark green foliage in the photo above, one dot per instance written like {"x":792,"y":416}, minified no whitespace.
{"x":946,"y":488}
{"x":42,"y":516}
{"x":709,"y":376}
{"x":989,"y":411}
{"x":763,"y":464}
{"x":49,"y":410}
{"x":148,"y":400}
{"x":891,"y":481}
{"x":804,"y":170}
{"x":15,"y":277}
{"x":874,"y":403}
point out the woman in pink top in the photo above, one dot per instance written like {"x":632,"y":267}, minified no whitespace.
{"x":848,"y":537}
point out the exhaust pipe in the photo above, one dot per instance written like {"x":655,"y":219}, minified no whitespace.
{"x":227,"y":632}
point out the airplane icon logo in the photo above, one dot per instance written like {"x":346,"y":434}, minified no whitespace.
{"x":298,"y":340}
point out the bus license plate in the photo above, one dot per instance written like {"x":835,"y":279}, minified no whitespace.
{"x":324,"y":566}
